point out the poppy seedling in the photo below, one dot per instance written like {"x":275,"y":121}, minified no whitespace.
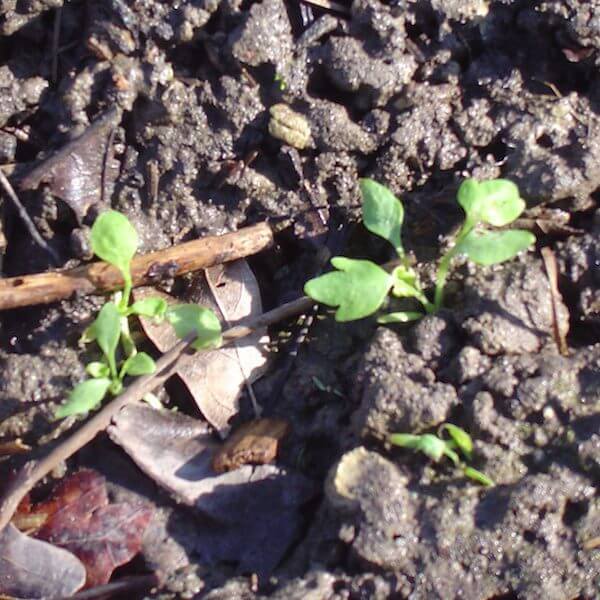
{"x":435,"y":446}
{"x":115,"y":241}
{"x":360,"y":287}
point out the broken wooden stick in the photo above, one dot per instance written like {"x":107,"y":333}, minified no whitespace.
{"x":34,"y":471}
{"x":100,"y":277}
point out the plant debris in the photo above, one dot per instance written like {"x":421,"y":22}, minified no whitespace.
{"x":31,"y":568}
{"x":216,"y":379}
{"x":80,"y":519}
{"x":255,"y":511}
{"x":255,"y":442}
{"x":82,"y":172}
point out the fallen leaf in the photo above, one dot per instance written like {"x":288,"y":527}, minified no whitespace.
{"x":80,"y":519}
{"x":31,"y":568}
{"x":83,"y":171}
{"x":216,"y":379}
{"x":255,"y":442}
{"x":250,"y":515}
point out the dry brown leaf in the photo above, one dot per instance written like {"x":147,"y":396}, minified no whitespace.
{"x":32,"y":568}
{"x":216,"y":379}
{"x":84,"y":170}
{"x":255,"y":442}
{"x":249,"y":516}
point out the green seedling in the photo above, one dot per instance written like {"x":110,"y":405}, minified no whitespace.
{"x":280,"y":81}
{"x":322,"y":387}
{"x":360,"y":288}
{"x":107,"y":376}
{"x":435,"y":447}
{"x":115,"y":241}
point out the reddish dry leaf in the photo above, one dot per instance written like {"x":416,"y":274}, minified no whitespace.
{"x":31,"y":568}
{"x":80,"y":519}
{"x":216,"y":379}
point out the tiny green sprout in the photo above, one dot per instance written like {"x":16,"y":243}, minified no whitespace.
{"x":115,"y":241}
{"x":429,"y":444}
{"x":460,"y":439}
{"x":280,"y":81}
{"x":360,"y":288}
{"x":497,"y":203}
{"x":435,"y":447}
{"x":478,"y":476}
{"x":322,"y":387}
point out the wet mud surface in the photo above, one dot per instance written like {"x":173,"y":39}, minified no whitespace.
{"x":222,"y":113}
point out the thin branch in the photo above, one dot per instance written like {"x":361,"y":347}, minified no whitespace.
{"x":100,"y":277}
{"x":552,"y":273}
{"x":134,"y":583}
{"x":24,"y":216}
{"x":34,"y":471}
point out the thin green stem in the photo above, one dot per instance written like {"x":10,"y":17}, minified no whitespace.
{"x":429,"y":307}
{"x":444,"y":267}
{"x":126,"y":340}
{"x":112,"y":365}
{"x":127,"y":287}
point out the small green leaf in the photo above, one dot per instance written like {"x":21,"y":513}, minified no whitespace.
{"x":98,"y":370}
{"x":405,"y":440}
{"x":460,"y":437}
{"x":189,"y":318}
{"x":114,"y":240}
{"x":478,"y":476}
{"x":382,"y":212}
{"x":493,"y":247}
{"x":85,"y":396}
{"x":88,"y":335}
{"x":149,"y":307}
{"x":139,"y":364}
{"x":496,"y":202}
{"x":106,"y":330}
{"x":432,"y":446}
{"x":404,"y":316}
{"x":359,"y":288}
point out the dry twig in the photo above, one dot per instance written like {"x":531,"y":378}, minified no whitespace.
{"x":552,"y":272}
{"x":24,"y":216}
{"x":101,"y":277}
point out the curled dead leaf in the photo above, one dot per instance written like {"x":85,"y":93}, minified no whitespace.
{"x":216,"y":379}
{"x":83,"y":171}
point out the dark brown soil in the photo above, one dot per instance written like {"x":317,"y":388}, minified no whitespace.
{"x":417,"y":94}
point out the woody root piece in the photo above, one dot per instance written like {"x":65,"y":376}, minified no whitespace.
{"x":100,"y":277}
